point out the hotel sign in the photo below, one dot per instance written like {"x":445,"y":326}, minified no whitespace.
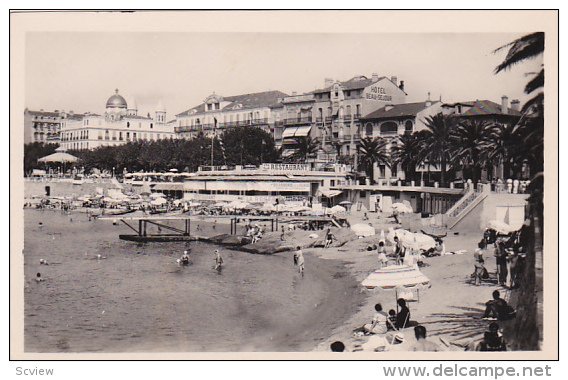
{"x":378,"y":93}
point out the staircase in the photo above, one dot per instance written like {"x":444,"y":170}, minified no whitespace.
{"x":468,"y":202}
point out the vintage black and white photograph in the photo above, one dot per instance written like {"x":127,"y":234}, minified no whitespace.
{"x":304,"y":191}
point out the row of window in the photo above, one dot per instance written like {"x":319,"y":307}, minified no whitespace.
{"x":389,"y":128}
{"x":226,"y":118}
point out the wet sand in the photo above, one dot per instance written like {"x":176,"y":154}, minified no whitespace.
{"x":138,"y":299}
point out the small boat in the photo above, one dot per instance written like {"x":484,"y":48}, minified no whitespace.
{"x":115,"y":212}
{"x":157,"y":238}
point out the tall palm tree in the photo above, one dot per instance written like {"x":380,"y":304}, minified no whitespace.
{"x":505,"y":147}
{"x":531,"y":126}
{"x":438,"y":142}
{"x":305,"y":147}
{"x":371,"y":151}
{"x":406,"y":153}
{"x":472,"y":145}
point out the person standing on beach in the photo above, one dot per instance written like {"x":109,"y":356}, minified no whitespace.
{"x":282,"y":235}
{"x":399,"y":250}
{"x":501,"y":260}
{"x":382,"y":254}
{"x":218,"y":260}
{"x":300,"y":257}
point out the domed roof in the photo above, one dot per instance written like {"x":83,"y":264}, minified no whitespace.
{"x":116,"y":101}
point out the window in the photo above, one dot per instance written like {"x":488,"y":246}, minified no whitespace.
{"x":369,"y":129}
{"x":382,"y":173}
{"x":158,"y":136}
{"x":332,"y":182}
{"x":151,"y":125}
{"x":358,"y":110}
{"x":217,"y":106}
{"x":128,"y":136}
{"x":197,"y":121}
{"x":389,"y":128}
{"x":347,"y":93}
{"x":120,"y":136}
{"x":106,"y":135}
{"x":408,"y":126}
{"x":127,"y":124}
{"x":134,"y":136}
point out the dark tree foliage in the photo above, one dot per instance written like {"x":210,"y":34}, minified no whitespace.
{"x":34,"y":151}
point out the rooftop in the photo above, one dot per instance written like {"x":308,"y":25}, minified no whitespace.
{"x":245,"y":101}
{"x":399,"y":110}
{"x":483,"y":108}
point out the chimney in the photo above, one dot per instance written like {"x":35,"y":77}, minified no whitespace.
{"x":394,"y":80}
{"x":375,"y":77}
{"x":401,"y":85}
{"x":71,"y":112}
{"x":504,"y":104}
{"x":328,"y":82}
{"x":294,"y":93}
{"x":515,"y":104}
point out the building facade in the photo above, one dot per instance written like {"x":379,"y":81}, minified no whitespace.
{"x":119,"y":124}
{"x":45,"y":126}
{"x":394,"y":120}
{"x":217,"y":113}
{"x":332,"y":115}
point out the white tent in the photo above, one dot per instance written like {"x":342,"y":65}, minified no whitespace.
{"x":402,"y":208}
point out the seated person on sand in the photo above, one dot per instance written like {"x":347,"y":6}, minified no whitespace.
{"x":422,"y":343}
{"x":498,"y":309}
{"x":328,"y":238}
{"x":438,"y":250}
{"x":403,"y":316}
{"x":382,"y":254}
{"x":379,"y":323}
{"x":391,"y":325}
{"x":492,"y":339}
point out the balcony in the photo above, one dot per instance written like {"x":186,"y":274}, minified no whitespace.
{"x":254,"y":122}
{"x":347,"y":117}
{"x":298,"y":120}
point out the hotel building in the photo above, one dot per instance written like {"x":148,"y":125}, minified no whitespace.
{"x":216,"y":113}
{"x":333,"y":114}
{"x":45,"y":126}
{"x":119,"y":125}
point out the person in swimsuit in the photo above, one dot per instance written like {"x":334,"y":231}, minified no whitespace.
{"x":218,"y":260}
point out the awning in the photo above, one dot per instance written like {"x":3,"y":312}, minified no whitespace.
{"x":330,"y":193}
{"x":289,"y":132}
{"x":292,"y":132}
{"x":303,"y":131}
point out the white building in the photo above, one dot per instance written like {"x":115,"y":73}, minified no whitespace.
{"x":119,"y":125}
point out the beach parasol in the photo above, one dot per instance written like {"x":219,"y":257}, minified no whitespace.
{"x":336,"y":210}
{"x":60,"y":157}
{"x":158,"y":201}
{"x":345,"y":203}
{"x":361,"y":229}
{"x":401,"y":208}
{"x":157,"y":195}
{"x":396,"y":277}
{"x":500,"y":227}
{"x":269,"y":207}
{"x":418,"y":241}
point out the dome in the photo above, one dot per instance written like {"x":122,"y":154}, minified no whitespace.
{"x":116,"y":101}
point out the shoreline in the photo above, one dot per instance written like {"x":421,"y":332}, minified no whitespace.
{"x":327,"y":294}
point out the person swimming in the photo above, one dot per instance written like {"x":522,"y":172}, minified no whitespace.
{"x":43,"y":262}
{"x":38,"y":277}
{"x":184,"y":260}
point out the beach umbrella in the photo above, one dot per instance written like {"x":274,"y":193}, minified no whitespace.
{"x":158,"y":201}
{"x":382,"y":236}
{"x":157,"y":195}
{"x":268,"y":207}
{"x":500,"y":227}
{"x":59,"y":157}
{"x":336,"y":210}
{"x":402,"y":208}
{"x":345,"y":203}
{"x":361,"y":229}
{"x":419,"y":241}
{"x":194,"y":204}
{"x":397,"y":276}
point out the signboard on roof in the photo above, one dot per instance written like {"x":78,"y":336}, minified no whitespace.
{"x":378,"y":92}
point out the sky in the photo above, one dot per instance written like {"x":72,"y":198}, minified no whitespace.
{"x":79,"y":70}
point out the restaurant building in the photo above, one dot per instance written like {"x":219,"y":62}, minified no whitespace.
{"x":287,"y":183}
{"x":119,"y":125}
{"x":217,"y":113}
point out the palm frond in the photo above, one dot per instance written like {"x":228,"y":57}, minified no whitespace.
{"x":523,"y":48}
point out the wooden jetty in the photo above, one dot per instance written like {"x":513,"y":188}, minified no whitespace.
{"x":139,"y":225}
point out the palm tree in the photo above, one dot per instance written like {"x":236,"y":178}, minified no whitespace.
{"x":371,"y":151}
{"x":530,"y":128}
{"x":406,"y":153}
{"x":437,"y":142}
{"x":305,"y":147}
{"x":472,"y":144}
{"x":505,"y":147}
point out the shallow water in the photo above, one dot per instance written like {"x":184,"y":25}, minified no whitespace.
{"x":139,"y":299}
